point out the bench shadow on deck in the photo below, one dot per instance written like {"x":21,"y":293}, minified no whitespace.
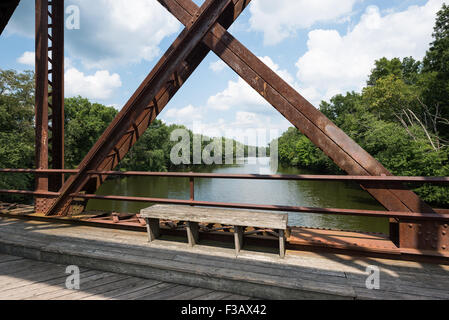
{"x":300,"y":275}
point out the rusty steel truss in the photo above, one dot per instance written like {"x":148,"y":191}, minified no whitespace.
{"x":49,"y":95}
{"x":205,"y":30}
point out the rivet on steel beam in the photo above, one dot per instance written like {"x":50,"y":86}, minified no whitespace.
{"x":444,"y":247}
{"x":410,"y":226}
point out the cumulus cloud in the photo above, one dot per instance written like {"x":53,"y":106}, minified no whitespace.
{"x":100,"y":85}
{"x":238,"y":111}
{"x":336,"y":63}
{"x":282,"y":18}
{"x":240,"y":95}
{"x":27,"y":58}
{"x":113,"y":32}
{"x":185,"y":115}
{"x":217,"y":66}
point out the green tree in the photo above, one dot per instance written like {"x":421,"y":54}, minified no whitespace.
{"x":16,"y":128}
{"x":436,"y":67}
{"x":84,"y":124}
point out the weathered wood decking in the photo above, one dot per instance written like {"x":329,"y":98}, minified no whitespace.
{"x":25,"y":279}
{"x":252,"y":273}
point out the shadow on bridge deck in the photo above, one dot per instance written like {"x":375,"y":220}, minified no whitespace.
{"x":301,"y":275}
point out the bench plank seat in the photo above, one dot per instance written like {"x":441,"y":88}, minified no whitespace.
{"x":243,"y":218}
{"x":194,"y":215}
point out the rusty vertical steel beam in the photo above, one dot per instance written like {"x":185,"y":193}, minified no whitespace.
{"x":56,"y":36}
{"x":41,"y":103}
{"x":143,"y":101}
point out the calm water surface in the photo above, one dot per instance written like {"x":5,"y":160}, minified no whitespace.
{"x":344,"y":195}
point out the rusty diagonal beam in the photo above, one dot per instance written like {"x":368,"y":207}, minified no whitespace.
{"x":334,"y":142}
{"x":165,"y":79}
{"x":346,"y":153}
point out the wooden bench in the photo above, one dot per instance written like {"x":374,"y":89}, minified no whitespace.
{"x":194,"y":215}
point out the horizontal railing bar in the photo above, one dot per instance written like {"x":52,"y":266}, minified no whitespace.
{"x":388,"y":179}
{"x":40,"y":171}
{"x":412,"y":216}
{"x":33,"y":193}
{"x":276,"y":176}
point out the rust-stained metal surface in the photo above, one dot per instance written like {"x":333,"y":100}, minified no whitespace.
{"x":415,"y":219}
{"x":49,"y":106}
{"x":299,"y":238}
{"x":56,"y":94}
{"x":305,"y":177}
{"x":347,"y":154}
{"x":7,"y":8}
{"x":144,"y":104}
{"x":414,"y":225}
{"x":41,"y":101}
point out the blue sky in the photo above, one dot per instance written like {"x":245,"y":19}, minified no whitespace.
{"x":321,"y":47}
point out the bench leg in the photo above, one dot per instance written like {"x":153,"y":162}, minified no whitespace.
{"x":192,"y":233}
{"x":238,"y":239}
{"x":282,"y":243}
{"x":153,"y":229}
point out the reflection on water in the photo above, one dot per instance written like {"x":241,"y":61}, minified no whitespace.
{"x":344,"y":195}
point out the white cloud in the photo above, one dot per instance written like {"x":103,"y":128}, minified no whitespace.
{"x":280,"y":19}
{"x":335,"y":64}
{"x":236,"y":112}
{"x":185,"y":115}
{"x":217,"y":66}
{"x":113,"y":32}
{"x":98,"y":86}
{"x":240,"y":95}
{"x":27,"y":58}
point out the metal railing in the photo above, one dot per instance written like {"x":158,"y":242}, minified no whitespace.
{"x":380,"y":181}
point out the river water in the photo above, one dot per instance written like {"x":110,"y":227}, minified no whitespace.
{"x":323,"y":194}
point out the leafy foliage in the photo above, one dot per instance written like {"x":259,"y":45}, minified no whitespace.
{"x":84,"y":124}
{"x":400,"y":117}
{"x":16,"y":128}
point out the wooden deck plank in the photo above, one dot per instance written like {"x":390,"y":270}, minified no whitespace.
{"x":214,"y":295}
{"x":6,"y":258}
{"x":28,"y":292}
{"x":22,"y":281}
{"x":17,"y":266}
{"x":125,"y":290}
{"x":138,"y":295}
{"x":143,"y":252}
{"x":191,"y":294}
{"x":96,"y":285}
{"x":99,"y":288}
{"x":311,"y":286}
{"x":88,"y":285}
{"x":237,"y":297}
{"x":168,"y":293}
{"x":313,"y":274}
